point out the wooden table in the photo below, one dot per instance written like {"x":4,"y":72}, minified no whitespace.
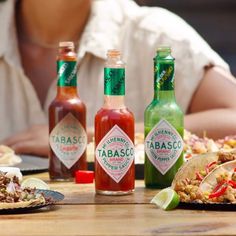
{"x":84,"y":213}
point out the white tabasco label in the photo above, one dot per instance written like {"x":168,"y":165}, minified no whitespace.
{"x":163,"y":146}
{"x":68,"y":140}
{"x":115,"y":153}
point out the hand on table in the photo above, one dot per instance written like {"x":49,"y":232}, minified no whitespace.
{"x":32,"y":141}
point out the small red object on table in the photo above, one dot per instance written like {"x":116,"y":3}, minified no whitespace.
{"x":84,"y":176}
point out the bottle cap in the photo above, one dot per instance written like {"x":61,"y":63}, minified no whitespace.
{"x":66,"y":44}
{"x":113,"y":53}
{"x":164,"y":48}
{"x":84,"y":176}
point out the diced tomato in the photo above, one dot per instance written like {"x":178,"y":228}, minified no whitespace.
{"x":198,"y":176}
{"x":232,"y":183}
{"x":219,"y":193}
{"x":219,"y":190}
{"x":209,"y":165}
{"x":189,"y":155}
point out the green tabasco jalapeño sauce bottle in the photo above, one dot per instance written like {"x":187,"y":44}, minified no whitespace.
{"x":163,"y":126}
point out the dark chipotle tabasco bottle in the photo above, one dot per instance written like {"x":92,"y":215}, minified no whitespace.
{"x":67,"y":119}
{"x":114,"y":134}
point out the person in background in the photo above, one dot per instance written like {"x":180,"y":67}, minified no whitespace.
{"x":31,"y":31}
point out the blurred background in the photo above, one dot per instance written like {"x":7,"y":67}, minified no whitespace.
{"x":215,"y":20}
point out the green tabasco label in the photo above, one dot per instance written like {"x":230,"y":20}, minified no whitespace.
{"x":114,"y":81}
{"x":163,"y":146}
{"x":66,"y":71}
{"x":115,"y":153}
{"x":164,"y":76}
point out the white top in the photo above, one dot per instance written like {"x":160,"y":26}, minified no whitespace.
{"x":136,"y":31}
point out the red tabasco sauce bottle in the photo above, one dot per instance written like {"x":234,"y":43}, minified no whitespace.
{"x":67,"y":120}
{"x":114,"y":134}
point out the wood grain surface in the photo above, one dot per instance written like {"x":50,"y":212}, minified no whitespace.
{"x":85,"y":193}
{"x":84,"y":213}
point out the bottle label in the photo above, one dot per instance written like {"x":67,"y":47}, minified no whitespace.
{"x":164,"y":76}
{"x":66,"y":72}
{"x":115,"y":153}
{"x":68,"y":140}
{"x":114,"y":81}
{"x":163,"y":146}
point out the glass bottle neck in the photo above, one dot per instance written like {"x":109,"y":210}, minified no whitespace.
{"x":114,"y":88}
{"x":114,"y":81}
{"x":164,"y":95}
{"x":67,"y":91}
{"x":164,"y":79}
{"x":114,"y":102}
{"x":67,"y":73}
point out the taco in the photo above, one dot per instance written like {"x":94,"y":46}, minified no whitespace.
{"x":220,"y":184}
{"x":190,"y":176}
{"x":13,"y":196}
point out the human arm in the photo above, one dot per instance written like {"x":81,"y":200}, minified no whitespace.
{"x":213,"y":105}
{"x":32,"y":141}
{"x":212,"y":110}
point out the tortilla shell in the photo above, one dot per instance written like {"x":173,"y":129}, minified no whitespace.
{"x":195,"y":164}
{"x":209,"y":182}
{"x":22,"y":204}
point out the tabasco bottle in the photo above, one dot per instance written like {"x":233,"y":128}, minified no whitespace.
{"x":114,"y":134}
{"x":67,"y":119}
{"x":164,"y":126}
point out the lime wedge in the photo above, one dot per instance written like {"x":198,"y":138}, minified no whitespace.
{"x":34,"y":183}
{"x":166,"y":199}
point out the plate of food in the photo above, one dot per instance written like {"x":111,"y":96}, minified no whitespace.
{"x":17,"y":198}
{"x":8,"y":157}
{"x":194,"y":145}
{"x":208,"y":181}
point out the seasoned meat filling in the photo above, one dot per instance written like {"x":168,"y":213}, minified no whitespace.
{"x":188,"y":190}
{"x":224,"y":191}
{"x":227,"y":156}
{"x":10,"y":190}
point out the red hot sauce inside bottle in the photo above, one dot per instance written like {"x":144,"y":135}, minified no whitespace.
{"x":114,"y":134}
